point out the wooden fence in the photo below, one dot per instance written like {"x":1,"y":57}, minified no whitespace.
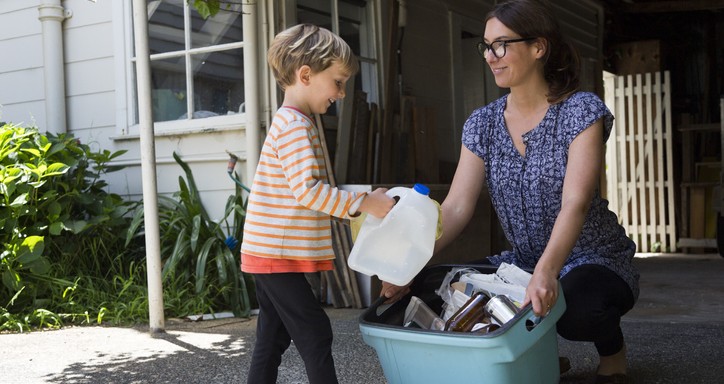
{"x":639,"y":162}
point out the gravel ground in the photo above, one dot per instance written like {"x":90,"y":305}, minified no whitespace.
{"x":674,"y":335}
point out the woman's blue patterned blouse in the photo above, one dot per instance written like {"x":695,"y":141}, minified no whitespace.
{"x":526,"y":190}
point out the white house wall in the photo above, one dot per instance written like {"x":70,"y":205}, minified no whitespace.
{"x":21,"y":69}
{"x":92,"y":90}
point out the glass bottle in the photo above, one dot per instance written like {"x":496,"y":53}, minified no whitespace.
{"x":469,"y":314}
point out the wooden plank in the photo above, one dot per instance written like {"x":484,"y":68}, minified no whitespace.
{"x":350,"y":290}
{"x":357,"y":165}
{"x":404,"y":144}
{"x":345,"y":115}
{"x":347,"y":276}
{"x":721,"y":148}
{"x":666,"y":88}
{"x":640,"y":166}
{"x":611,"y":170}
{"x":347,"y":244}
{"x":333,"y":281}
{"x":391,"y":101}
{"x":427,"y":168}
{"x":697,"y":213}
{"x":652,"y":159}
{"x":371,"y":135}
{"x":664,"y":217}
{"x":336,"y":272}
{"x":687,"y":126}
{"x":672,"y":6}
{"x":697,"y":243}
{"x":631,"y":166}
{"x":623,"y":153}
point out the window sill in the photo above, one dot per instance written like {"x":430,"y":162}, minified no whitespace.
{"x":187,"y":127}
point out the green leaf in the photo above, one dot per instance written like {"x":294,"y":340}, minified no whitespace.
{"x":54,"y":210}
{"x":30,"y":249}
{"x":41,"y":266}
{"x":11,"y":280}
{"x":135,"y":224}
{"x":195,"y":229}
{"x":56,"y":169}
{"x":76,"y":226}
{"x":56,"y":228}
{"x":19,"y":201}
{"x":207,"y":8}
{"x":201,"y":264}
{"x":32,"y":151}
{"x":180,"y":248}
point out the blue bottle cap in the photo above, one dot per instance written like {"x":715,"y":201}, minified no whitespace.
{"x":421,"y":189}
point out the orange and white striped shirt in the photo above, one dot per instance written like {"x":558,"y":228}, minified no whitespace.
{"x":289,"y":208}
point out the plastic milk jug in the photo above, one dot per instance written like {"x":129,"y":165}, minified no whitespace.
{"x":398,"y":246}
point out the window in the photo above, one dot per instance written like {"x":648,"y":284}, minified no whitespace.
{"x":196,"y":67}
{"x":351,"y":19}
{"x":354,"y":21}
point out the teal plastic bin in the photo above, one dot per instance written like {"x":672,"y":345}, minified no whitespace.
{"x":522,"y":351}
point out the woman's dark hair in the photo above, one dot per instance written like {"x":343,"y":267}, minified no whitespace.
{"x":534,"y":18}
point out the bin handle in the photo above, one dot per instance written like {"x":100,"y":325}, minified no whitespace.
{"x":378,"y":306}
{"x":533,"y":321}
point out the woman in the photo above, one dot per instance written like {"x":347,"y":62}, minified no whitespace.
{"x":540,"y":150}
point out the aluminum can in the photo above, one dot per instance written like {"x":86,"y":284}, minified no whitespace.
{"x":501,"y":309}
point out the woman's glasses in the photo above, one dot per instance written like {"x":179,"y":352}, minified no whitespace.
{"x":498,"y":47}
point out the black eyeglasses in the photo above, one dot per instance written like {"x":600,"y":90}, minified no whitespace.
{"x":498,"y":46}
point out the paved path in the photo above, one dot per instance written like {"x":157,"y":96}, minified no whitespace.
{"x":675,"y":334}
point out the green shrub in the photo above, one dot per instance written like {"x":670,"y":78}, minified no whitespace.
{"x":198,"y":256}
{"x":74,"y":253}
{"x":58,"y":226}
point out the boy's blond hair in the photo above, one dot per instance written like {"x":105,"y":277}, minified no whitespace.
{"x":307,"y":44}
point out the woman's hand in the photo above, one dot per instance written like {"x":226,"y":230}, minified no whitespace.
{"x":393,"y":292}
{"x":542,"y":292}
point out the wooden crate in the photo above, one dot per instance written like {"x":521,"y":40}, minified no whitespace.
{"x":636,"y":57}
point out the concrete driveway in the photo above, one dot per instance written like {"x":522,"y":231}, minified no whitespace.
{"x":675,"y":334}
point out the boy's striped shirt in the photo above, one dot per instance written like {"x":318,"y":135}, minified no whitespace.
{"x":289,"y":208}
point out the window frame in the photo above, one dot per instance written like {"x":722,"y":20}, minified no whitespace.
{"x":126,"y":99}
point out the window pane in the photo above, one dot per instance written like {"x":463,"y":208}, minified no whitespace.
{"x":218,"y":83}
{"x":168,"y":89}
{"x":224,"y":27}
{"x":317,"y":12}
{"x":166,"y":26}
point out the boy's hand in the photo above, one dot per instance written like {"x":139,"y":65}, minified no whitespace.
{"x":377,"y":203}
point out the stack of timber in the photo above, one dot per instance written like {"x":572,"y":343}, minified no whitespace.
{"x":342,"y":281}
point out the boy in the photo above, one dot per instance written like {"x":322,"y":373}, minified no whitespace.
{"x":287,"y":231}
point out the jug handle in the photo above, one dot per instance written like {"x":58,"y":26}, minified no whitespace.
{"x":393,"y":192}
{"x":397,"y":192}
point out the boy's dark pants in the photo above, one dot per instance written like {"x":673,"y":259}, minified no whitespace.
{"x":289,"y":311}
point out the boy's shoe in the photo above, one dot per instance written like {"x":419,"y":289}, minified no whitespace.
{"x":564,"y":364}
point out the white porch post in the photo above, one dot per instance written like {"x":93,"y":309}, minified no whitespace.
{"x":251,"y":86}
{"x":148,"y":167}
